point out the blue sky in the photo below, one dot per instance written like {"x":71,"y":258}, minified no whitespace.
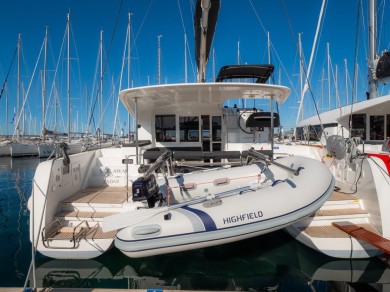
{"x":243,"y":21}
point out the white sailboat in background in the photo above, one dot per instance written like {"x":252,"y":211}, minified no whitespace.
{"x":22,"y":147}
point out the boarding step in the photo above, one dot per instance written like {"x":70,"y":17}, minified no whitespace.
{"x":340,"y":213}
{"x":364,"y":234}
{"x":338,"y":198}
{"x":75,"y":215}
{"x":330,"y":231}
{"x":59,"y":235}
{"x":104,"y":197}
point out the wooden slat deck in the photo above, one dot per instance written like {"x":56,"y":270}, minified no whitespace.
{"x":104,"y":195}
{"x":330,"y":231}
{"x":66,"y":233}
{"x":337,"y":196}
{"x":340,"y":212}
{"x":362,"y":233}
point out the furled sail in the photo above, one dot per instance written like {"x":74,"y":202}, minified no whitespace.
{"x":205,"y":20}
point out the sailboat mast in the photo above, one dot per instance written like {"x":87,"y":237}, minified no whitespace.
{"x":185,"y":59}
{"x":68,"y":74}
{"x":18,"y":87}
{"x":44,"y":91}
{"x":300,"y":111}
{"x":159,"y":59}
{"x":328,"y":58}
{"x":128,"y":69}
{"x":372,"y":83}
{"x":101,"y":81}
{"x":205,"y":4}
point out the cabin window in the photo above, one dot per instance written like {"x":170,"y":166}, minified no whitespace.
{"x":189,"y":129}
{"x":377,"y":127}
{"x":359,"y":126}
{"x":216,"y":128}
{"x":165,"y":128}
{"x":299,"y":133}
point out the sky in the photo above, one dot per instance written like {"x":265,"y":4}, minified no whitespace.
{"x":240,"y":37}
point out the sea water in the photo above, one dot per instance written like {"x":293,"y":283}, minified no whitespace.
{"x":272,"y":262}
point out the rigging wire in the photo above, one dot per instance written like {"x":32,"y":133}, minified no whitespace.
{"x":184,"y":30}
{"x":303,"y":68}
{"x":355,"y":66}
{"x":106,"y":60}
{"x":272,"y":46}
{"x":9,"y":70}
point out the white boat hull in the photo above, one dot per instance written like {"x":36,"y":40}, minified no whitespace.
{"x":20,"y":150}
{"x":5,"y":150}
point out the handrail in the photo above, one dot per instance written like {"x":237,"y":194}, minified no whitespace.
{"x":82,"y":232}
{"x":158,"y":163}
{"x":267,"y":160}
{"x":52,"y":232}
{"x":76,"y":236}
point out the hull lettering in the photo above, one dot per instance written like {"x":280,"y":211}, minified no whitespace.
{"x":243,"y":217}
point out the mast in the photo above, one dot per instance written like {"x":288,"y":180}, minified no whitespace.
{"x":214,"y":76}
{"x":6,"y":108}
{"x":18,"y":88}
{"x":101,"y":81}
{"x":328,"y":54}
{"x":346,"y":81}
{"x":372,"y":83}
{"x":44,"y":91}
{"x":185,"y":58}
{"x":68,"y":74}
{"x":238,"y":52}
{"x":313,"y":49}
{"x":128,"y":69}
{"x":158,"y":59}
{"x":206,"y":13}
{"x":300,"y":111}
{"x":269,"y":47}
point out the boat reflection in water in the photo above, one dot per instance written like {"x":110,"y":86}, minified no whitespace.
{"x":272,"y":262}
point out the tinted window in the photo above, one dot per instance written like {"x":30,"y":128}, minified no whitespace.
{"x":165,"y":128}
{"x":189,"y":129}
{"x":377,"y":127}
{"x":359,"y":126}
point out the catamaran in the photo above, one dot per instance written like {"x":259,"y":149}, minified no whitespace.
{"x":149,"y":197}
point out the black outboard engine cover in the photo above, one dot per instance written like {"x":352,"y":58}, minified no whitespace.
{"x":145,"y":189}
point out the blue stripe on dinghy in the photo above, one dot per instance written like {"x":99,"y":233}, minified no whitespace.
{"x":208,"y":222}
{"x":197,"y":223}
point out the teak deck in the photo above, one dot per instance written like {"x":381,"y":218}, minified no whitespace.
{"x":361,"y":233}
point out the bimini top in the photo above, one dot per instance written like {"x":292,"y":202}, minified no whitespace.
{"x":190,"y":95}
{"x":259,"y":72}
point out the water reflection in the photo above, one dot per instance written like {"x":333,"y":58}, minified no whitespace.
{"x":15,"y":189}
{"x":272,"y":262}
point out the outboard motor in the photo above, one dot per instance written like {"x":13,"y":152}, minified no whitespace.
{"x":146,"y":188}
